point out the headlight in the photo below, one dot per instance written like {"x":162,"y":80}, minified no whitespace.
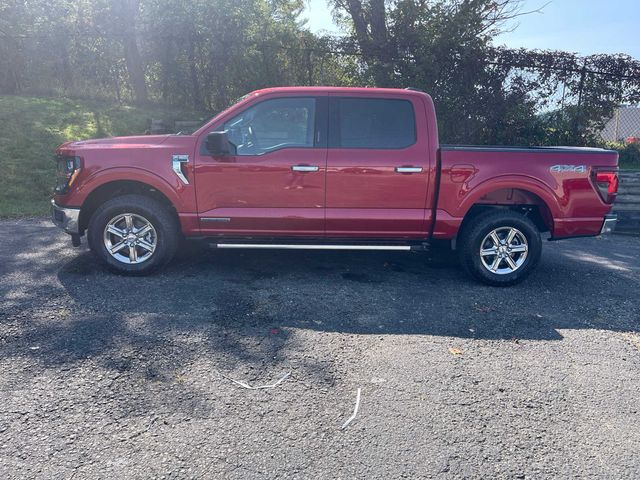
{"x":68,"y":168}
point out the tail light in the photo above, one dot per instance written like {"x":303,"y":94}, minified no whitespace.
{"x":67,"y":172}
{"x":606,"y":182}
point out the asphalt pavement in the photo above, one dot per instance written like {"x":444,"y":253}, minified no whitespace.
{"x":104,"y":376}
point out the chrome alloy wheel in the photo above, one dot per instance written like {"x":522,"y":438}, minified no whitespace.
{"x":504,"y":250}
{"x":130,"y":238}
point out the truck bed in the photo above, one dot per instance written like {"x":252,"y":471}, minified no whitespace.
{"x":557,"y":179}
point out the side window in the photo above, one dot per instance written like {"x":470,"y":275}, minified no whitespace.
{"x":273,"y":124}
{"x":375,"y":123}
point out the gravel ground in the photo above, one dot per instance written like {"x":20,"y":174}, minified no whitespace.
{"x":104,"y":376}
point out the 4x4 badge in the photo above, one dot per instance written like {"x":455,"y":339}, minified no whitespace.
{"x":569,"y":168}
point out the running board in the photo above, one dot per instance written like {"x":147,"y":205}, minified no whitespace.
{"x":313,"y":247}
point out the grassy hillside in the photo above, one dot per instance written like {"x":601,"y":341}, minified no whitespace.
{"x":30,"y":130}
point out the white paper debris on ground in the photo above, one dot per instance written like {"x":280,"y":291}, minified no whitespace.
{"x":247,"y":386}
{"x":355,"y":412}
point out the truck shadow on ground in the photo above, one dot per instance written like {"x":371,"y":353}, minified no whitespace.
{"x":361,"y":293}
{"x":253,"y":314}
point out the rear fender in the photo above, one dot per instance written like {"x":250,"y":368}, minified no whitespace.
{"x":515,"y":182}
{"x":486,"y":194}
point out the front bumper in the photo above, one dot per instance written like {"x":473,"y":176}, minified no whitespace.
{"x":66,"y":218}
{"x":609,"y":223}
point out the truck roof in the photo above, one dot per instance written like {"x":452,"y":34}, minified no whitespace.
{"x":320,"y":89}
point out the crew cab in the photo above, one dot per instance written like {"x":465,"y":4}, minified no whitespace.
{"x":330,"y":168}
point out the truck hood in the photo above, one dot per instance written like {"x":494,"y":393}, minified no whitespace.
{"x":115,"y":142}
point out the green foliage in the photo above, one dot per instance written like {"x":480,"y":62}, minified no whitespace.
{"x":205,"y":54}
{"x":483,"y":94}
{"x":33,"y":127}
{"x":629,"y":154}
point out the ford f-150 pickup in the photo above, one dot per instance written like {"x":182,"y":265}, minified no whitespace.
{"x":326,"y":167}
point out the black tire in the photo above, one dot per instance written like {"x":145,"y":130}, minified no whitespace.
{"x":163,"y":221}
{"x":474,"y":236}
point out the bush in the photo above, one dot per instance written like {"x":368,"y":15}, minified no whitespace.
{"x":629,"y":154}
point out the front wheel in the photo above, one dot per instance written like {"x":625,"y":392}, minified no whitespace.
{"x":500,"y":247}
{"x":133,"y":234}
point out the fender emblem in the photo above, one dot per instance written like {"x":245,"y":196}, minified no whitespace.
{"x":569,"y":168}
{"x":176,"y":165}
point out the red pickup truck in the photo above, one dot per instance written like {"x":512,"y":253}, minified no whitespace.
{"x":330,"y":168}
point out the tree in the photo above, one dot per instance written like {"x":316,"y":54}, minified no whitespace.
{"x":124,"y":14}
{"x":482,"y":94}
{"x":205,"y":54}
{"x":369,"y":22}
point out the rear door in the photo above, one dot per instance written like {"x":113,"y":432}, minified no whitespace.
{"x":275,"y":184}
{"x":377,"y":166}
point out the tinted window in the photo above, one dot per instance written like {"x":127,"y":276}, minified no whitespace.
{"x":273,"y":124}
{"x":372,"y":123}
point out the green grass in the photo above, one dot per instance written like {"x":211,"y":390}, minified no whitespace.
{"x":32,"y":127}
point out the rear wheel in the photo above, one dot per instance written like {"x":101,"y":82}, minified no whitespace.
{"x":500,"y":247}
{"x":133,"y":234}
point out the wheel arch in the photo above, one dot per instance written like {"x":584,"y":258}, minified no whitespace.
{"x":113,"y":188}
{"x":528,"y":196}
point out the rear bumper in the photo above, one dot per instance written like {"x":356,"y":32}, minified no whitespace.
{"x":66,"y":218}
{"x":609,"y":223}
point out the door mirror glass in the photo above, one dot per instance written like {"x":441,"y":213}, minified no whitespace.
{"x":218,"y":145}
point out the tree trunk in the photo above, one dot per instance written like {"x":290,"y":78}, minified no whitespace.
{"x":12,"y":64}
{"x":66,"y":69}
{"x":135,"y":69}
{"x":372,"y":37}
{"x":167,"y":68}
{"x":126,"y":12}
{"x":196,"y":92}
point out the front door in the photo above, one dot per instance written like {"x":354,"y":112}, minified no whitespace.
{"x":274,"y":184}
{"x":377,"y":167}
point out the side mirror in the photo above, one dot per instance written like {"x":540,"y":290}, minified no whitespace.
{"x":218,"y":145}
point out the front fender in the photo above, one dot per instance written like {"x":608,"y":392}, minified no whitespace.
{"x":176,"y":193}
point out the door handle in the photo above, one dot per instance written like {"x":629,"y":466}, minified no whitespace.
{"x":408,"y":169}
{"x":305,"y":168}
